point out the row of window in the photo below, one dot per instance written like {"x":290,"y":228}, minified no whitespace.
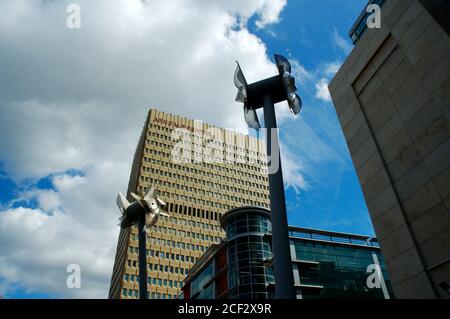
{"x":132,"y":293}
{"x":220,"y":153}
{"x":180,"y":233}
{"x":154,"y":281}
{"x":164,"y":255}
{"x":160,"y":268}
{"x":185,"y":156}
{"x":225,"y":177}
{"x":190,"y":222}
{"x":218,"y":186}
{"x":166,"y":134}
{"x":168,"y":269}
{"x":308,"y":251}
{"x":197,"y":201}
{"x":228,"y":149}
{"x":165,"y":195}
{"x":210,"y":143}
{"x":194,"y":212}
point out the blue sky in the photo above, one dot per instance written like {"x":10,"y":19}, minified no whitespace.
{"x":76,"y":100}
{"x":315,"y":34}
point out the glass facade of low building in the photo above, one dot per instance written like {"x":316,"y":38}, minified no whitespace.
{"x":248,"y":247}
{"x":326,"y":265}
{"x":336,"y":271}
{"x":200,"y":287}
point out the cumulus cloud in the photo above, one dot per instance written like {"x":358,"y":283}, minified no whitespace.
{"x":270,"y":12}
{"x":332,"y":68}
{"x":293,"y":171}
{"x":76,"y":99}
{"x":76,"y":223}
{"x":328,"y":70}
{"x":322,"y":92}
{"x":40,"y":247}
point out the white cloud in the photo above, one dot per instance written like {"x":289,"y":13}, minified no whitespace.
{"x":75,"y":224}
{"x":332,"y":68}
{"x":322,"y":91}
{"x":293,"y":171}
{"x":328,"y":70}
{"x":49,"y":200}
{"x":270,"y":12}
{"x":343,"y":44}
{"x":41,"y":246}
{"x":77,"y":99}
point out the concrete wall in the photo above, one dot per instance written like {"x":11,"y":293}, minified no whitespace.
{"x":392,"y":98}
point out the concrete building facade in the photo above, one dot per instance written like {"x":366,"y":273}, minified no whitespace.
{"x":392,"y":97}
{"x":197,"y":191}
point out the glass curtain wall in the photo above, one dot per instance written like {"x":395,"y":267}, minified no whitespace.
{"x":248,"y":276}
{"x":340,"y":270}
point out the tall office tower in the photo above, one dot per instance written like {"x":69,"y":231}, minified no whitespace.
{"x":197,"y":191}
{"x":392,"y":96}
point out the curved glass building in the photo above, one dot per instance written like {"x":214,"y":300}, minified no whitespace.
{"x":325,"y":264}
{"x":248,"y":232}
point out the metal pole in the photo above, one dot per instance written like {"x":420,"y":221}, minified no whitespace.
{"x":142,"y":258}
{"x":283,"y":272}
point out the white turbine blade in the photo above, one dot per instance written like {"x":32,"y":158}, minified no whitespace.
{"x":150,"y":193}
{"x":251,"y":118}
{"x":241,"y":84}
{"x":161,"y":202}
{"x":295,"y":104}
{"x":136,"y":197}
{"x":283,"y":64}
{"x":122,"y":202}
{"x":240,"y":97}
{"x":164,"y":213}
{"x":239,"y":79}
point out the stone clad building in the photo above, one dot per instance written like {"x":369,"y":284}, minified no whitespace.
{"x":392,"y":97}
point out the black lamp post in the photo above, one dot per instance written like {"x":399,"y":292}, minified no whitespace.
{"x":264,"y":94}
{"x":142,"y":258}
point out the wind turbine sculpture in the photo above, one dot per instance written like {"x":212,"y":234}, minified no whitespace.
{"x":144,"y":212}
{"x":264,"y":94}
{"x":149,"y":204}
